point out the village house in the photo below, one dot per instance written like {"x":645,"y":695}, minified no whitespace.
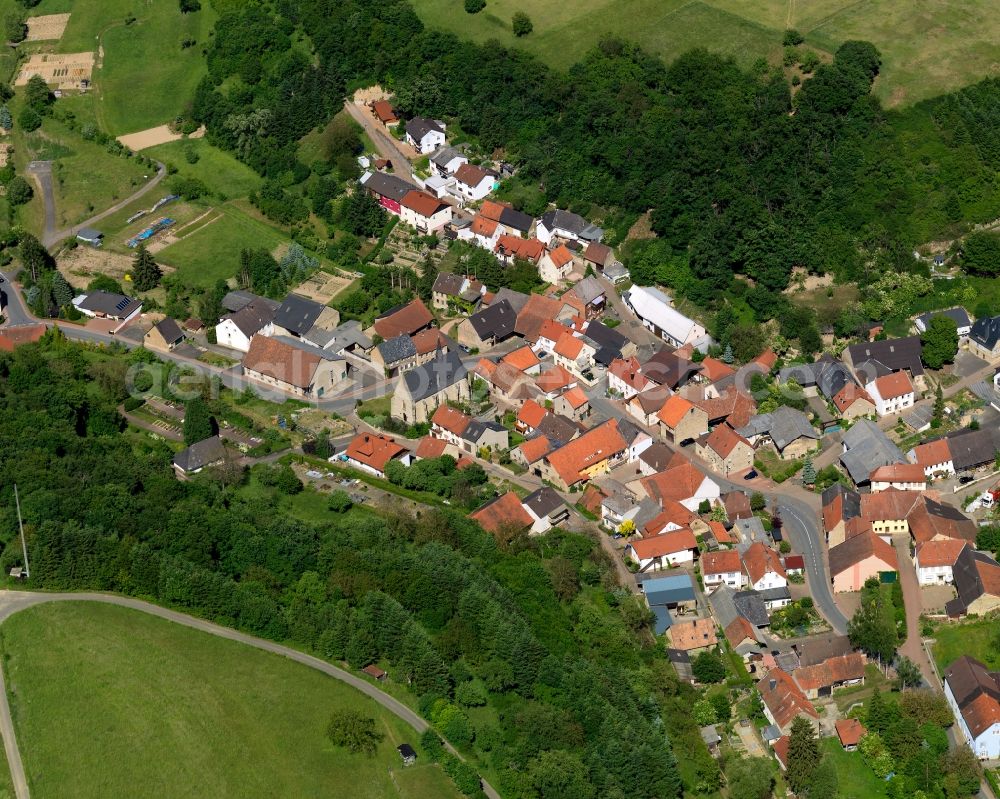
{"x":853,"y":402}
{"x":598,"y":255}
{"x":849,"y":733}
{"x":547,"y":509}
{"x":107,"y":305}
{"x":595,"y":452}
{"x":673,"y":548}
{"x":446,"y":161}
{"x":389,"y":190}
{"x":783,"y":700}
{"x":898,"y":476}
{"x":963,"y":324}
{"x":473,"y":183}
{"x":786,"y":429}
{"x":530,"y":453}
{"x":236,"y":329}
{"x":297,"y":317}
{"x":567,"y":226}
{"x":822,"y":679}
{"x":693,"y":636}
{"x":534,"y":314}
{"x":164,"y":336}
{"x":973,"y":693}
{"x":508,"y":386}
{"x":576,"y":356}
{"x":487,"y":327}
{"x":892,"y":393}
{"x":869,"y":359}
{"x":645,"y":406}
{"x":395,"y":355}
{"x":935,"y":560}
{"x":523,"y":359}
{"x":424,"y":213}
{"x":681,"y":421}
{"x":556,"y":265}
{"x":858,"y":558}
{"x":529,"y":416}
{"x":866,"y":447}
{"x":984,"y":338}
{"x":723,"y":566}
{"x":456,"y":293}
{"x":625,"y":378}
{"x":509,"y":248}
{"x":573,"y":404}
{"x":680,"y":482}
{"x":409,"y":319}
{"x":200,"y":455}
{"x":653,"y":308}
{"x":425,"y":135}
{"x":483,"y":232}
{"x":763,"y":567}
{"x":293,"y":366}
{"x":841,"y":507}
{"x":588,"y":296}
{"x":976,"y":577}
{"x":510,"y":221}
{"x":371,"y":452}
{"x":726,"y":451}
{"x":384,"y":112}
{"x":503,"y":513}
{"x":422,"y":389}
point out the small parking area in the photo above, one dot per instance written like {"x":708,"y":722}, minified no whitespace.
{"x":934,"y":597}
{"x":967,"y":364}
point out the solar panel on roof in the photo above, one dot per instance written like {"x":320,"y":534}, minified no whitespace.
{"x":120,"y":305}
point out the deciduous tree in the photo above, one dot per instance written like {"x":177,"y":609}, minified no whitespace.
{"x":354,"y":731}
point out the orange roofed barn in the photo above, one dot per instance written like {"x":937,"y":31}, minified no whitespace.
{"x":504,"y":511}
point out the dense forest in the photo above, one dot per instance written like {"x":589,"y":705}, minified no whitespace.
{"x":741,"y":175}
{"x":524,"y":653}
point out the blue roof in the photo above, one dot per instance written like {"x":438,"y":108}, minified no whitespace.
{"x":663,"y":620}
{"x":668,"y":590}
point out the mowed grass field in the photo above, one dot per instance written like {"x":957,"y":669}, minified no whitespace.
{"x":112,"y":703}
{"x":928,"y":46}
{"x":211,"y":251}
{"x":146,"y":78}
{"x":975,"y":638}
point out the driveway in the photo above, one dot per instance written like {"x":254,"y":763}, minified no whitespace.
{"x":13,"y":601}
{"x":387,"y":146}
{"x":913,"y":647}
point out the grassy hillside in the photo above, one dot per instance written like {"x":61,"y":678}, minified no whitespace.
{"x":928,"y":47}
{"x":109,"y":702}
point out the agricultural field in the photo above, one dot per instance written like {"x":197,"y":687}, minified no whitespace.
{"x":927,"y":47}
{"x":183,"y":713}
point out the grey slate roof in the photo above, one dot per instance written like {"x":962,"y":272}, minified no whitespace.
{"x":116,"y":306}
{"x":386,"y":185}
{"x":398,"y":348}
{"x":558,"y":429}
{"x":348,"y":334}
{"x":750,"y":605}
{"x":968,"y":581}
{"x":784,"y":425}
{"x":234,"y":300}
{"x":750,"y":530}
{"x":297,"y":314}
{"x":572,"y":223}
{"x":828,"y":374}
{"x":589,"y":289}
{"x":543,"y":502}
{"x":475,"y":429}
{"x":896,"y":353}
{"x":169,"y":329}
{"x":516,"y":220}
{"x":418,"y":127}
{"x":428,"y":379}
{"x":253,"y":316}
{"x":958,"y":315}
{"x":605,"y":337}
{"x":723,"y":604}
{"x":299,"y":344}
{"x":775,"y":594}
{"x":972,"y":448}
{"x":456,"y":286}
{"x":495,"y":321}
{"x":867,"y":449}
{"x":445,"y":155}
{"x":851,"y":503}
{"x":516,"y":299}
{"x":200,"y":454}
{"x":986,"y":332}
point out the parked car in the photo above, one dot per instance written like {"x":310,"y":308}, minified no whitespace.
{"x":750,"y":475}
{"x":965,"y":479}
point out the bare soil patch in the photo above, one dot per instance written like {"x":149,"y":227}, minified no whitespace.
{"x":643,"y":228}
{"x":323,"y":287}
{"x":162,"y":134}
{"x":82,"y":264}
{"x":46,"y":27}
{"x":64,"y":70}
{"x":5,"y":151}
{"x":376,"y":92}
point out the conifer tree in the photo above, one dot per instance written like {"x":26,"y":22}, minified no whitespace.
{"x":146,"y":273}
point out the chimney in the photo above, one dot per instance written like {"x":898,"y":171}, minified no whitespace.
{"x":774,"y":683}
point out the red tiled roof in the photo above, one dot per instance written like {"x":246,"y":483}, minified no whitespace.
{"x":889,"y":504}
{"x":451,"y":419}
{"x":471,"y":175}
{"x":714,"y":369}
{"x":796,"y":562}
{"x":665,"y":544}
{"x":850,"y":731}
{"x":943,"y":552}
{"x":561,"y":255}
{"x":733,"y":407}
{"x":760,"y":560}
{"x":780,"y":748}
{"x":384,"y":111}
{"x":670,"y":513}
{"x":13,"y":337}
{"x":694,"y":634}
{"x":575,"y":397}
{"x":981,"y":713}
{"x":850,"y":394}
{"x":492,"y":209}
{"x":767,"y":359}
{"x":429,"y":340}
{"x":673,"y":410}
{"x":831,"y":671}
{"x":409,"y":319}
{"x":554,"y":378}
{"x":531,"y":413}
{"x":422,"y":203}
{"x":535,"y":448}
{"x":723,"y":440}
{"x":503,"y":511}
{"x":588,"y":450}
{"x":553,"y":330}
{"x":933,"y":453}
{"x":536,"y":311}
{"x":720,"y":532}
{"x":858,"y":548}
{"x":679,"y":482}
{"x":430,"y":447}
{"x":569,"y":346}
{"x":722,"y":561}
{"x":899,"y":473}
{"x":374,"y":450}
{"x":784,"y":698}
{"x":281,"y":361}
{"x":481,"y":226}
{"x":628,"y":371}
{"x":528,"y":249}
{"x":895,"y":385}
{"x":738,"y":631}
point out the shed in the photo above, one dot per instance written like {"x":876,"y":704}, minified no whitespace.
{"x":89,"y":235}
{"x":374,"y":672}
{"x":408,"y":753}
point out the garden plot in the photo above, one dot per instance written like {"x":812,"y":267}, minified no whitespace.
{"x":65,"y":71}
{"x":323,"y":287}
{"x":46,"y":27}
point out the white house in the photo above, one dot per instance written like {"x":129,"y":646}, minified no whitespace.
{"x":107,"y":305}
{"x":567,"y":226}
{"x":763,"y":567}
{"x":936,"y":559}
{"x":236,"y":329}
{"x":447,"y":160}
{"x":891,"y":393}
{"x":426,"y":213}
{"x":425,"y":135}
{"x":556,"y":265}
{"x":722,"y":566}
{"x":472,"y":183}
{"x":973,"y":693}
{"x":963,"y":324}
{"x":934,"y":457}
{"x":674,"y":548}
{"x":900,"y":476}
{"x":652,"y":307}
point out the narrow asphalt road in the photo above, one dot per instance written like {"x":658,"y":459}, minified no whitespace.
{"x":13,"y":601}
{"x":383,"y":142}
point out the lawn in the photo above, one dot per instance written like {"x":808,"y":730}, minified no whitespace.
{"x":928,"y":47}
{"x":181,"y":713}
{"x":855,"y":780}
{"x":225,"y":176}
{"x":973,"y":638}
{"x":212,"y":252}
